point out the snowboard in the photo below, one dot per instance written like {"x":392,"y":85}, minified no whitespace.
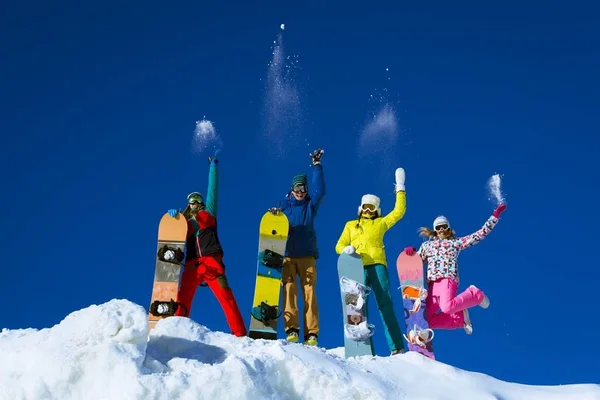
{"x":273,"y":234}
{"x":350,"y":266}
{"x":172,"y":233}
{"x":414,"y":295}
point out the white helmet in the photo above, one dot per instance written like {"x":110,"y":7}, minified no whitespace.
{"x":440,"y":220}
{"x":370,"y":199}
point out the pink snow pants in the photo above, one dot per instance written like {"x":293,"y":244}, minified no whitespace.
{"x":442,"y":296}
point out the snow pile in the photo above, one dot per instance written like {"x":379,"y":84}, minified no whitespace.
{"x":102,"y":352}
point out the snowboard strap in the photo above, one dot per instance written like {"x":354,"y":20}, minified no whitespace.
{"x":265,"y":313}
{"x":418,"y":336}
{"x":166,"y":308}
{"x":171,"y":255}
{"x":272,"y":259}
{"x":415,"y":293}
{"x":360,"y":332}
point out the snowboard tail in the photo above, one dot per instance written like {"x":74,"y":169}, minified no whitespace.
{"x":414,"y":295}
{"x":172,"y":233}
{"x":265,"y":313}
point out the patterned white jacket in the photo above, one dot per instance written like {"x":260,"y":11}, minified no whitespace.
{"x":441,"y":255}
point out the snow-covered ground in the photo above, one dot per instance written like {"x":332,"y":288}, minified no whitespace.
{"x":102,"y":352}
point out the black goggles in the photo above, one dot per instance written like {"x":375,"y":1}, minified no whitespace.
{"x":299,"y":188}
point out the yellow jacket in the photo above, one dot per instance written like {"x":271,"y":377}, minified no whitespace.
{"x":366,"y":235}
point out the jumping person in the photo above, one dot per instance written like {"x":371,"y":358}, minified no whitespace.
{"x":204,"y":254}
{"x":440,"y":253}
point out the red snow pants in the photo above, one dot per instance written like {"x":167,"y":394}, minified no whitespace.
{"x":210,"y":269}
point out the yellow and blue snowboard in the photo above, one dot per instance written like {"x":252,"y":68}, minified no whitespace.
{"x":271,"y":248}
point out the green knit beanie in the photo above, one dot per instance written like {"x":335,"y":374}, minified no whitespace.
{"x":300,"y":178}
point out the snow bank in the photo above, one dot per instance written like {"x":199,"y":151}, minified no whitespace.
{"x":102,"y":352}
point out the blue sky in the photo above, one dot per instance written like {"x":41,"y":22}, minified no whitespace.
{"x":98,"y":113}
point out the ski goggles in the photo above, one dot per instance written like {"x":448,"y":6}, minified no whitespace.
{"x":369,"y":207}
{"x":195,"y":197}
{"x":299,"y":188}
{"x":442,"y":227}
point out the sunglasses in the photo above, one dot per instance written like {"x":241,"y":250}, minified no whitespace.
{"x":369,"y":207}
{"x":299,"y":188}
{"x":442,"y":227}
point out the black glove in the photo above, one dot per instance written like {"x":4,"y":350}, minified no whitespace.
{"x":316,"y":156}
{"x":214,"y":158}
{"x":274,"y":210}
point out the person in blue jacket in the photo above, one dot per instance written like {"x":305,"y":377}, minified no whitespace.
{"x":301,"y":251}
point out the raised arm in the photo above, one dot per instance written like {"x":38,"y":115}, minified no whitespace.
{"x":318,"y":185}
{"x":400,"y":206}
{"x":318,"y":179}
{"x":488,"y":226}
{"x":212,"y":194}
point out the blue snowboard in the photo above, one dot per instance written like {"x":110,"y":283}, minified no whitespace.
{"x":351,"y":266}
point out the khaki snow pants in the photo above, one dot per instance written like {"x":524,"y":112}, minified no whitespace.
{"x":305,"y":269}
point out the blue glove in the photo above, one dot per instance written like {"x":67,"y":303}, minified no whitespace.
{"x":173,"y":213}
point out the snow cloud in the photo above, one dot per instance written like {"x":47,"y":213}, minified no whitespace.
{"x":205,"y":134}
{"x":494,"y":189}
{"x":282,"y":101}
{"x":380,"y":132}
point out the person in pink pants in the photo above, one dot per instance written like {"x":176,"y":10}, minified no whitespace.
{"x":440,"y":253}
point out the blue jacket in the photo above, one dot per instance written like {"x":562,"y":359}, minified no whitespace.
{"x":302,"y":238}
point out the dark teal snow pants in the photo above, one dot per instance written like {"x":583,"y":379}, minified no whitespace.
{"x":376,"y":276}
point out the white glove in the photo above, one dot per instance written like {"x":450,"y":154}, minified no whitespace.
{"x":400,"y":176}
{"x":349,"y":249}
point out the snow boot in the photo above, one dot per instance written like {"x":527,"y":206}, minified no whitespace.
{"x":468,"y":325}
{"x":292,"y":335}
{"x":311,"y":340}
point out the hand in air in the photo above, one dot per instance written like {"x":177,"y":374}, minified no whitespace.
{"x":400,"y":177}
{"x":316,"y":156}
{"x":499,"y":210}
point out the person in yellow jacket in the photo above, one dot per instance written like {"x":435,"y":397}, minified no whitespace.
{"x":364,"y":236}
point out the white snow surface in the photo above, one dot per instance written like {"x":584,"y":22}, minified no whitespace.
{"x":103,"y":352}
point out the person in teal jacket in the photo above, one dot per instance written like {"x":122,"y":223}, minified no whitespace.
{"x":204,"y":254}
{"x":301,"y":252}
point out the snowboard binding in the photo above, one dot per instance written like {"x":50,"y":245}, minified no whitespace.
{"x":265,"y":313}
{"x":272,"y":259}
{"x":171,"y":255}
{"x":354,"y":292}
{"x":166,"y":308}
{"x":418,"y":336}
{"x":417,"y":294}
{"x":360,"y":332}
